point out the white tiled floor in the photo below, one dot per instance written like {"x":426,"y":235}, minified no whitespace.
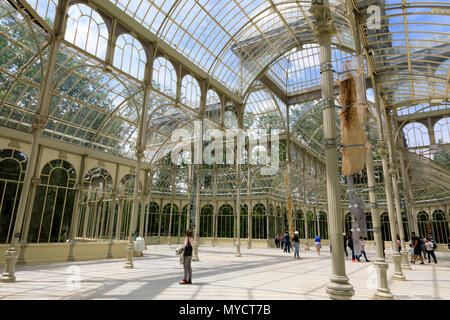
{"x":258,"y":274}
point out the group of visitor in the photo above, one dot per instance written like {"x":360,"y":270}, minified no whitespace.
{"x":349,"y":242}
{"x":421,"y":247}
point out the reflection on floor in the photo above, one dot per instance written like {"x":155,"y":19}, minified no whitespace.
{"x":258,"y":274}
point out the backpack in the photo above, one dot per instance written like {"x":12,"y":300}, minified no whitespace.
{"x":188,"y":249}
{"x":434,"y":246}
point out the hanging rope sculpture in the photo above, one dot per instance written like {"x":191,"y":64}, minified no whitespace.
{"x":353,"y":137}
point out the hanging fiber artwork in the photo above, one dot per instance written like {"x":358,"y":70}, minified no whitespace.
{"x":353,"y":137}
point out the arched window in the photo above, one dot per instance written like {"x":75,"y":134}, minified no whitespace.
{"x":95,"y":220}
{"x":423,"y":223}
{"x":126,"y":190}
{"x":385,"y":227}
{"x":129,"y":56}
{"x":53,"y":203}
{"x":164,"y":77}
{"x":416,"y":135}
{"x":442,"y":131}
{"x":213,"y":106}
{"x":244,"y":221}
{"x":230,"y":119}
{"x":225,"y":222}
{"x":190,"y":92}
{"x":153,"y":219}
{"x":312,"y":224}
{"x":440,"y":227}
{"x":323,"y":225}
{"x":185,"y":215}
{"x":348,"y":223}
{"x":13,"y":165}
{"x":299,"y":223}
{"x":259,"y":222}
{"x":206,"y":221}
{"x":169,"y":211}
{"x":369,"y":225}
{"x":87,"y":30}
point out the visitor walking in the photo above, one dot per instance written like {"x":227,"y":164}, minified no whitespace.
{"x":277,"y":240}
{"x":318,"y":245}
{"x":345,"y":245}
{"x":417,"y":249}
{"x":399,"y":244}
{"x":422,"y":246}
{"x":363,"y":250}
{"x":430,"y":246}
{"x":296,"y":241}
{"x":350,"y":245}
{"x":287,"y":243}
{"x":187,"y":258}
{"x":281,"y":242}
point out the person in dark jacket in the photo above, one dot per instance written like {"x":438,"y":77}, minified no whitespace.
{"x":287,"y":243}
{"x":188,"y":247}
{"x":345,"y":244}
{"x":350,"y":245}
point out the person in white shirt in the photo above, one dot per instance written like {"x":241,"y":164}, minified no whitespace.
{"x":429,"y":246}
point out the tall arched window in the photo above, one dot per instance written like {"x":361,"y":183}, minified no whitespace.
{"x":385,"y":227}
{"x":348,"y":223}
{"x":129,"y":56}
{"x":442,"y":131}
{"x":206,"y":221}
{"x":416,"y":135}
{"x":230,"y":119}
{"x":95,"y":207}
{"x":440,"y":227}
{"x":323,"y":225}
{"x":13,"y":165}
{"x":184,"y":218}
{"x":153,"y":219}
{"x":244,"y":221}
{"x":423,"y":223}
{"x":312,"y":225}
{"x":164,"y":77}
{"x":259,"y":222}
{"x":53,"y":203}
{"x":225,"y":222}
{"x":299,"y":223}
{"x":166,"y":222}
{"x":126,"y":190}
{"x":213,"y":106}
{"x":87,"y":30}
{"x":190,"y":92}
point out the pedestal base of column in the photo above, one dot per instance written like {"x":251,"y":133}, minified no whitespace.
{"x":11,"y":256}
{"x":249,"y":245}
{"x":405,"y":260}
{"x":130,"y":253}
{"x":383,"y":291}
{"x":214,"y":242}
{"x":195,"y":253}
{"x":168,"y":241}
{"x":398,"y":273}
{"x":340,"y":289}
{"x":384,"y":295}
{"x":238,"y":249}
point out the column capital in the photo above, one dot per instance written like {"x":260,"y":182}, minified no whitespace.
{"x":324,"y":25}
{"x":39,"y":122}
{"x":35,"y":180}
{"x":140,"y":152}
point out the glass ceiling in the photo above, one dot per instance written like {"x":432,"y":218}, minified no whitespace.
{"x":411,"y":49}
{"x":231,"y":40}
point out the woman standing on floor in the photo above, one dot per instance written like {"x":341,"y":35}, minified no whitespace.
{"x":296,"y":241}
{"x":187,"y":257}
{"x":318,"y":245}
